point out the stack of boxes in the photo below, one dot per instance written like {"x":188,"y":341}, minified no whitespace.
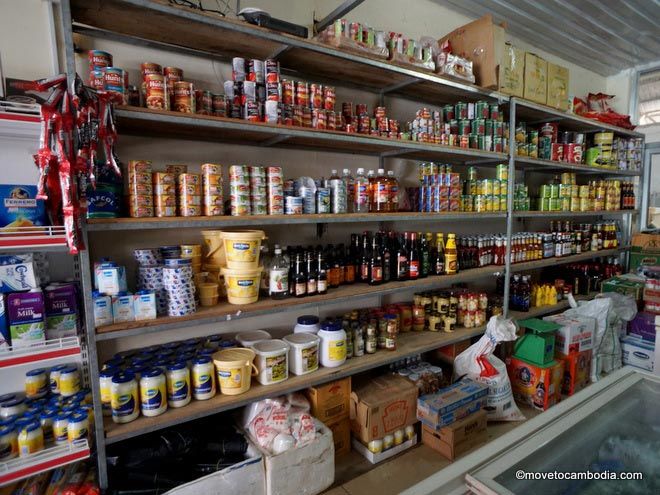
{"x":140,"y":189}
{"x":213,"y":204}
{"x":189,"y":187}
{"x":164,"y":187}
{"x":453,"y":419}
{"x":330,"y":404}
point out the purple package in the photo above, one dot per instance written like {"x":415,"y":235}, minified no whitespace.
{"x":643,"y":326}
{"x":61,"y":311}
{"x":25,"y":311}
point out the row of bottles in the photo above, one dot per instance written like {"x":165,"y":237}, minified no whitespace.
{"x":373,"y":258}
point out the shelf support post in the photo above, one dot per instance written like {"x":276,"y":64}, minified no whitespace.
{"x":509,"y":203}
{"x":338,"y":13}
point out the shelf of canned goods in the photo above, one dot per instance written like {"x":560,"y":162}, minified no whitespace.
{"x":189,"y":32}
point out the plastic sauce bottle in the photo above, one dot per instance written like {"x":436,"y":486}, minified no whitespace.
{"x":381,"y":192}
{"x":451,"y":255}
{"x":371,"y":177}
{"x":361,"y":193}
{"x":348,"y":180}
{"x":394,"y":191}
{"x":278,"y":284}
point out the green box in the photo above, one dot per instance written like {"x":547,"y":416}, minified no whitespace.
{"x":625,"y":286}
{"x":537,"y":346}
{"x":647,"y":258}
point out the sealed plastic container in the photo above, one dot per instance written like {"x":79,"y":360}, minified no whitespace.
{"x":124,"y":398}
{"x":242,"y":248}
{"x":46,"y":419}
{"x":69,"y":381}
{"x":8,"y":442}
{"x":203,"y":378}
{"x":303,"y":352}
{"x":14,"y":407}
{"x":272,"y":361}
{"x":214,"y":252}
{"x":242,"y":284}
{"x":36,"y":383}
{"x":60,"y":428}
{"x":333,"y":344}
{"x":234,"y":369}
{"x":308,"y":324}
{"x":30,"y":439}
{"x":78,"y":428}
{"x":248,"y":339}
{"x":178,"y":385}
{"x":105,"y":387}
{"x":153,"y":392}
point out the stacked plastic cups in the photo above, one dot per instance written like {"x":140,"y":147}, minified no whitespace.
{"x":179,"y":286}
{"x":150,"y":275}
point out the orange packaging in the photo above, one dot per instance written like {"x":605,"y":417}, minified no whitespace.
{"x":176,"y":169}
{"x":213,"y":210}
{"x":211,"y":168}
{"x":163,"y":178}
{"x":537,"y":386}
{"x":155,"y":92}
{"x":141,"y":211}
{"x":141,"y":200}
{"x":139,"y":178}
{"x":184,"y":97}
{"x":190,"y":200}
{"x":138,"y":166}
{"x":165,"y":211}
{"x":186,"y":179}
{"x":140,"y":188}
{"x":165,"y":200}
{"x":189,"y":190}
{"x":165,"y":189}
{"x":212,"y":189}
{"x":577,"y":367}
{"x":212,"y":179}
{"x":190,"y":211}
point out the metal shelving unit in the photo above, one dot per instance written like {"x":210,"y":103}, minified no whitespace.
{"x":140,"y":22}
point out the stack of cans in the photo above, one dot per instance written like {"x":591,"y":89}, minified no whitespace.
{"x":194,"y":253}
{"x":150,"y":276}
{"x":140,"y":189}
{"x":179,"y":286}
{"x":172,"y":75}
{"x":258,"y":191}
{"x":164,"y":186}
{"x":275,"y":190}
{"x":98,"y":62}
{"x":213,"y":204}
{"x":239,"y":190}
{"x":153,"y":87}
{"x":190,"y":195}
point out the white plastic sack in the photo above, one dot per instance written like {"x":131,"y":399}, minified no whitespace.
{"x":477,"y":362}
{"x":610,"y":310}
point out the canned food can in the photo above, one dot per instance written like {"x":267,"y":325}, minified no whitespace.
{"x":293,"y":205}
{"x":96,"y":78}
{"x":203,"y":102}
{"x":461,"y":110}
{"x":272,"y":70}
{"x":472,"y":173}
{"x":573,"y":153}
{"x":155,"y":92}
{"x":605,"y":138}
{"x":464,"y":127}
{"x":113,"y":81}
{"x":240,"y":210}
{"x":481,"y":110}
{"x":565,"y":190}
{"x":503,"y":205}
{"x":140,"y":188}
{"x":494,"y":110}
{"x":323,"y":200}
{"x":478,"y":126}
{"x":496,"y":187}
{"x":165,"y":200}
{"x":480,"y":203}
{"x":575,"y":204}
{"x":190,"y":200}
{"x":141,"y":211}
{"x":213,"y":206}
{"x":557,"y":152}
{"x":184,"y":98}
{"x":238,"y":69}
{"x":165,"y":211}
{"x":498,"y":128}
{"x":99,"y":59}
{"x":190,"y":211}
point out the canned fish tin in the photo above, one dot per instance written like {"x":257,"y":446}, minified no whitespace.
{"x":190,"y":200}
{"x":323,"y":200}
{"x":190,"y":211}
{"x":136,"y":167}
{"x":140,"y":189}
{"x":293,"y":205}
{"x":165,"y":211}
{"x":186,"y":179}
{"x":176,"y":169}
{"x":137,"y":200}
{"x":155,"y":92}
{"x":184,"y":97}
{"x":213,"y":206}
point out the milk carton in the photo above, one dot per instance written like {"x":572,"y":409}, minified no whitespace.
{"x":25,"y":312}
{"x":110,"y":278}
{"x":17,"y":273}
{"x":123,"y":307}
{"x":61,"y":311}
{"x":5,"y":340}
{"x":145,"y":305}
{"x":102,"y":309}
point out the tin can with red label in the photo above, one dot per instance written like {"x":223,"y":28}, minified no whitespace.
{"x":550,"y":129}
{"x":190,"y":211}
{"x":273,"y":90}
{"x":330,"y":120}
{"x":173,"y":72}
{"x":204,"y":102}
{"x":255,"y":70}
{"x":238,"y":69}
{"x":137,"y":167}
{"x":219,"y":106}
{"x":316,"y":95}
{"x":329,"y":97}
{"x":96,"y":79}
{"x":155,"y":92}
{"x":113,"y":81}
{"x":306,"y":117}
{"x":272,"y":112}
{"x":150,"y":68}
{"x":98,"y":59}
{"x":162,"y":178}
{"x":137,"y":200}
{"x":184,"y":97}
{"x":286,"y":115}
{"x":140,"y":211}
{"x":288,"y":91}
{"x":297,"y":116}
{"x":318,"y":119}
{"x":165,"y":200}
{"x":302,"y":94}
{"x":573,"y":153}
{"x":251,"y":111}
{"x":557,"y":152}
{"x":140,"y":189}
{"x":249,"y":91}
{"x":272,"y":68}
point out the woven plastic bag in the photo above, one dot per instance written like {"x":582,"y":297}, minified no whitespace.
{"x":479,"y":363}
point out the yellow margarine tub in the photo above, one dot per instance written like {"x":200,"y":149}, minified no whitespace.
{"x":235,"y":369}
{"x":214,"y":252}
{"x":241,"y":247}
{"x":242,"y":285}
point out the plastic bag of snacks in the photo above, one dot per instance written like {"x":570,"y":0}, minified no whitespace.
{"x":479,"y":363}
{"x":281,"y":423}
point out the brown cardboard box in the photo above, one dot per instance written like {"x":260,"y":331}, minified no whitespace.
{"x":341,"y":435}
{"x":557,"y":96}
{"x":331,"y":401}
{"x":381,"y":405}
{"x":536,"y":78}
{"x":511,"y":73}
{"x":646,"y":242}
{"x":453,"y":350}
{"x":459,"y":437}
{"x":482,"y":42}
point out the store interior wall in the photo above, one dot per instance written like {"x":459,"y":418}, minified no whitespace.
{"x":24,"y":24}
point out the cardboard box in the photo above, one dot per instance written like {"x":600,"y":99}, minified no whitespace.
{"x":331,"y":401}
{"x":243,"y":478}
{"x":639,"y":258}
{"x":381,"y":405}
{"x":536,"y":386}
{"x":557,"y":95}
{"x":341,"y":436}
{"x":458,"y":438}
{"x":306,"y":470}
{"x":577,"y":367}
{"x":536,"y":78}
{"x":20,"y":208}
{"x":626,"y":284}
{"x":482,"y":42}
{"x":646,"y":242}
{"x":5,"y":339}
{"x":451,"y":403}
{"x":644,"y":325}
{"x":651,"y":296}
{"x":576,"y":333}
{"x":637,"y":352}
{"x":511,"y":72}
{"x":453,"y":350}
{"x":375,"y":458}
{"x":17,"y":274}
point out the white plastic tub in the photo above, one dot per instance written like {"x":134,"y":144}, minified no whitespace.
{"x":303,"y":352}
{"x":272,"y":361}
{"x":248,"y":339}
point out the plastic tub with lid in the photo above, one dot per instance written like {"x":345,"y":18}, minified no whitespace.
{"x":307,"y":324}
{"x":234,"y":369}
{"x":249,"y":338}
{"x":241,"y":248}
{"x":303,"y":352}
{"x":242,"y":284}
{"x":333,"y":344}
{"x":272,"y":361}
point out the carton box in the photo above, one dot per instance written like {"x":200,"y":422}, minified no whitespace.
{"x":644,"y":325}
{"x":626,"y":285}
{"x":453,"y":350}
{"x":331,"y":401}
{"x":381,"y":405}
{"x":246,"y":477}
{"x":20,"y":208}
{"x":576,"y":333}
{"x":639,"y":353}
{"x":459,"y":437}
{"x":536,"y":78}
{"x":639,"y":258}
{"x":577,"y":367}
{"x":17,"y":274}
{"x":646,"y":242}
{"x":534,"y":385}
{"x":341,"y":436}
{"x":557,"y":86}
{"x":61,"y":311}
{"x":651,"y":296}
{"x":5,"y":339}
{"x":451,"y":403}
{"x":481,"y":41}
{"x":511,"y":73}
{"x":25,"y":312}
{"x":305,"y":470}
{"x":375,"y":458}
